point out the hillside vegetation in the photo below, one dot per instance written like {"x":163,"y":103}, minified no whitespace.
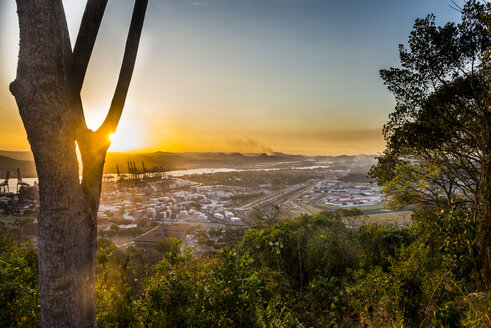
{"x":310,"y":272}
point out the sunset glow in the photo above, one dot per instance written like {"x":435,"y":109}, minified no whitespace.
{"x":126,"y":138}
{"x":250,"y":76}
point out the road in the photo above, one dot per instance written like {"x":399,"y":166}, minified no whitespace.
{"x":271,"y":198}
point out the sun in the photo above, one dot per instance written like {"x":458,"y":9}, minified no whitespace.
{"x":126,"y":139}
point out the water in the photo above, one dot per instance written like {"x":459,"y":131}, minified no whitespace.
{"x":177,"y":173}
{"x":13,"y":183}
{"x":180,"y":173}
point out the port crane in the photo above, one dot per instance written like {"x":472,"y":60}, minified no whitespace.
{"x":20,"y":184}
{"x":4,"y":186}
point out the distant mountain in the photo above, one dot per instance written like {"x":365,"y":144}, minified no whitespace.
{"x":19,"y":155}
{"x":27,"y":168}
{"x":11,"y":160}
{"x":194,"y":160}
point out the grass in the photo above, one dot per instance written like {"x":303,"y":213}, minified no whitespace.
{"x":391,"y":218}
{"x":372,"y":207}
{"x":120,"y":240}
{"x":11,"y":218}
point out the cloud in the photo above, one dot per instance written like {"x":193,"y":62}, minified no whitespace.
{"x":247,"y":145}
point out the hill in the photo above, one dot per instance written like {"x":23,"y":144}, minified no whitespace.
{"x":11,"y":160}
{"x":194,"y":160}
{"x":18,"y":155}
{"x":27,"y":168}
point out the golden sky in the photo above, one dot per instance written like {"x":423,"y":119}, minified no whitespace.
{"x":294,"y":76}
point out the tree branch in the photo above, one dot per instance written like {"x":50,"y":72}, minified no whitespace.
{"x":112,"y":119}
{"x":89,"y":27}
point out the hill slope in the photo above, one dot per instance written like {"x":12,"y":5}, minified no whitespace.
{"x":10,"y":161}
{"x":27,"y":168}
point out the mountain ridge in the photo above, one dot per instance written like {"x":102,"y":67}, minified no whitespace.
{"x":10,"y":161}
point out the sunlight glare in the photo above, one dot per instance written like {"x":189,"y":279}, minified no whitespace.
{"x":126,"y":138}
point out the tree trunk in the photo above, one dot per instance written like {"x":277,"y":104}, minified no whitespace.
{"x":66,"y":224}
{"x":67,"y":231}
{"x":67,"y":228}
{"x":484,"y":210}
{"x":47,"y":92}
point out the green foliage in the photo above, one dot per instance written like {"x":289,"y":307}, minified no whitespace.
{"x":439,"y":136}
{"x":425,"y":275}
{"x":113,"y":293}
{"x":170,"y":295}
{"x":19,"y":285}
{"x":377,"y":244}
{"x":165,"y":245}
{"x":450,"y":233}
{"x":478,"y":310}
{"x":246,"y":197}
{"x":186,"y":292}
{"x":305,"y":262}
{"x":411,"y":183}
{"x":289,"y":247}
{"x":436,"y":137}
{"x":310,"y":272}
{"x":276,"y":315}
{"x":230,"y":237}
{"x":277,"y":179}
{"x":120,"y":279}
{"x":354,"y":177}
{"x":234,"y":291}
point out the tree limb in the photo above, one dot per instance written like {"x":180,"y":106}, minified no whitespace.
{"x":89,"y":27}
{"x":112,"y":119}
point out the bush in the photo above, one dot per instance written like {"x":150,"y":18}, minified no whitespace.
{"x":19,"y":287}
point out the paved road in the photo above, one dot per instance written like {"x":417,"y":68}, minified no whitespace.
{"x":271,"y":198}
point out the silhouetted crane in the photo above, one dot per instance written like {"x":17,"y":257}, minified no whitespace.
{"x":4,"y":186}
{"x":20,"y":184}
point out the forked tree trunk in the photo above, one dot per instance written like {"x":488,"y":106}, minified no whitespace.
{"x":67,"y":232}
{"x":66,"y":223}
{"x":47,"y":92}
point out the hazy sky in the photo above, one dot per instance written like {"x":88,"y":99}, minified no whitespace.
{"x":296,"y":76}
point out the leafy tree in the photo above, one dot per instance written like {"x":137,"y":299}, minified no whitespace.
{"x":310,"y":272}
{"x":265,"y":216}
{"x":47,"y":91}
{"x":439,"y":137}
{"x":305,"y":262}
{"x":188,"y":292}
{"x":165,"y":245}
{"x":352,"y":217}
{"x":113,"y":289}
{"x":377,"y":244}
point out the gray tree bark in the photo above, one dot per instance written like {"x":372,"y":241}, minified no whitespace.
{"x":47,"y":92}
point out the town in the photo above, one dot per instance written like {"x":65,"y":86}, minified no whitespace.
{"x":207,"y":208}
